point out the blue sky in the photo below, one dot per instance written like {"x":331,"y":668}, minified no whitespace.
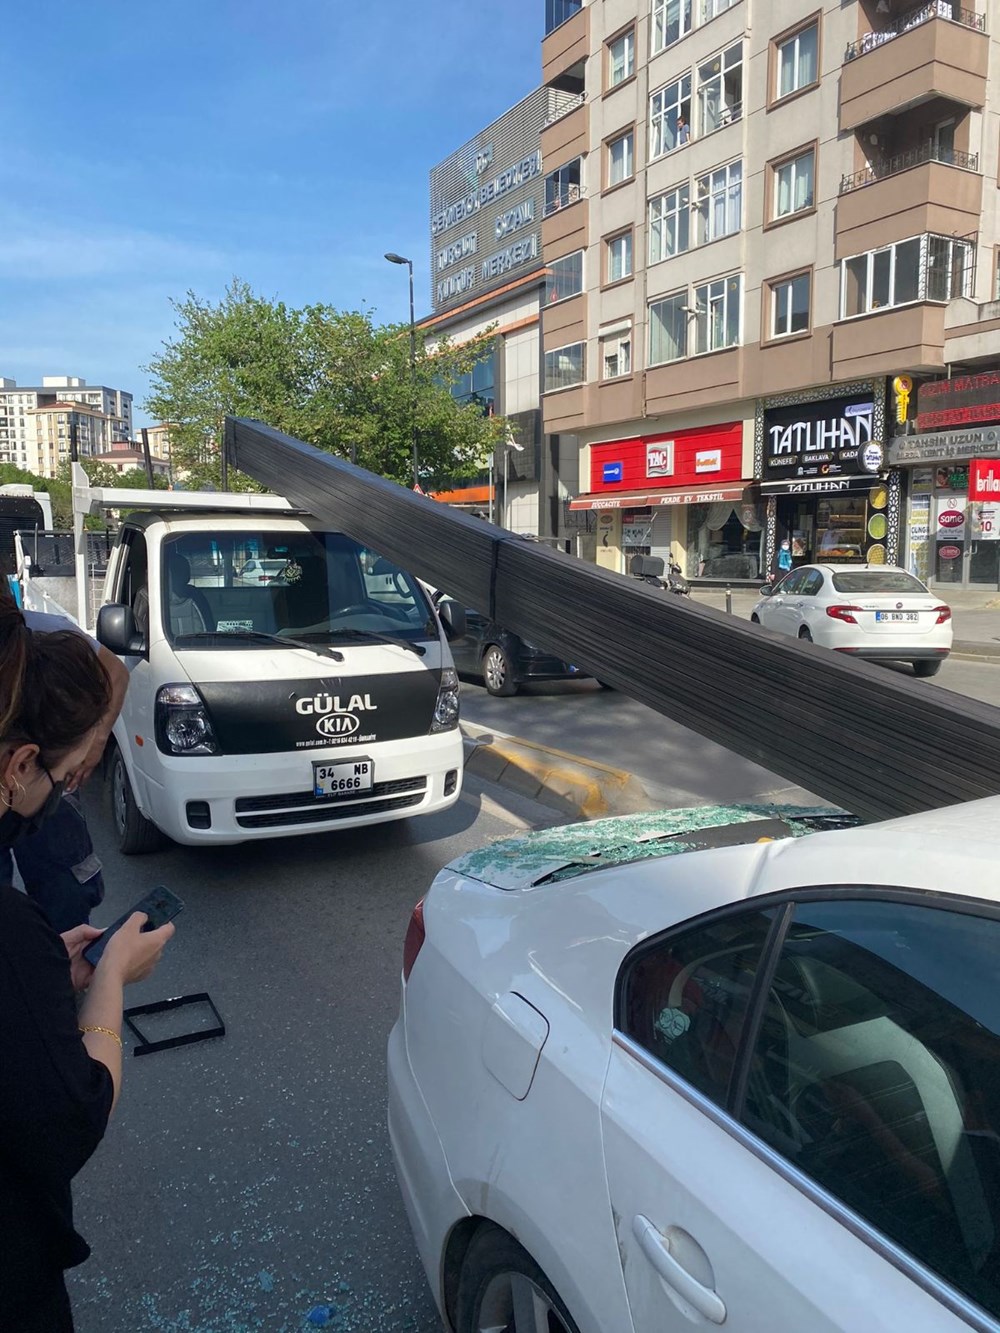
{"x":153,"y":148}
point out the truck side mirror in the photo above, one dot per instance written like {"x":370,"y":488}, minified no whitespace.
{"x":453,"y":617}
{"x":117,"y":631}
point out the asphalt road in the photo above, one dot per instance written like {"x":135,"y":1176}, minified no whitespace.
{"x":246,"y":1180}
{"x":674,"y":764}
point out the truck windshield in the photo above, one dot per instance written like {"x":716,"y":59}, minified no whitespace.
{"x":224,"y":588}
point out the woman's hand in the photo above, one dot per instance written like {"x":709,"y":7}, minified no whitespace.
{"x":134,"y":953}
{"x":76,"y":940}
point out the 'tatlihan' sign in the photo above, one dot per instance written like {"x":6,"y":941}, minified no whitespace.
{"x":961,"y":401}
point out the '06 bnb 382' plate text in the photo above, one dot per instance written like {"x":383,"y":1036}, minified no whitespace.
{"x":343,"y":779}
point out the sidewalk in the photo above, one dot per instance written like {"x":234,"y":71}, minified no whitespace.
{"x":975,"y":616}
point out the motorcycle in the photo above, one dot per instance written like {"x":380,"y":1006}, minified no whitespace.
{"x":649,"y":568}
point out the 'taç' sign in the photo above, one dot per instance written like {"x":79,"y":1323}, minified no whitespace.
{"x":984,"y":479}
{"x":961,"y":401}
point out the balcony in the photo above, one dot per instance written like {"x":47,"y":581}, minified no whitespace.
{"x":937,"y":50}
{"x":565,"y":49}
{"x":892,"y":166}
{"x":566,"y":136}
{"x":925,"y":190}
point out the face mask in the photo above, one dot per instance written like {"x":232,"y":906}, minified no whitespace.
{"x":15,"y":826}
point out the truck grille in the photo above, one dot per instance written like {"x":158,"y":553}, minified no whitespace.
{"x":305,"y":799}
{"x":325,"y":812}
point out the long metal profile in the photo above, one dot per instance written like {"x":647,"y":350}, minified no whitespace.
{"x":874,"y":741}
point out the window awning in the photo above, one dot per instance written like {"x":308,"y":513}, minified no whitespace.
{"x":672,"y":495}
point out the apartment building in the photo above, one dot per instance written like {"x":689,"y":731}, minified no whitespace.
{"x":487,"y":200}
{"x":36,"y":421}
{"x":772,"y":229}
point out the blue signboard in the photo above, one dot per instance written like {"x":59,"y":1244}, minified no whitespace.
{"x":612,"y":471}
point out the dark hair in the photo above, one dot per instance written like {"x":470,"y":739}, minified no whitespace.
{"x":53,"y":686}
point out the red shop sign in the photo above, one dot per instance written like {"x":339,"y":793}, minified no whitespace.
{"x":984,"y":479}
{"x":682,"y":458}
{"x":951,"y":518}
{"x":949,"y":552}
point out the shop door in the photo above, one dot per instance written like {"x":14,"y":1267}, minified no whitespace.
{"x":950,"y":537}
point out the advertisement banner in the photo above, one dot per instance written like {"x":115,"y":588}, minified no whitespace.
{"x":832,"y":437}
{"x":950,"y":518}
{"x":984,"y":479}
{"x":985,"y":521}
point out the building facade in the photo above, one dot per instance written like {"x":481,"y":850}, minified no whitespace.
{"x":36,"y":421}
{"x":779,"y":226}
{"x":487,"y":203}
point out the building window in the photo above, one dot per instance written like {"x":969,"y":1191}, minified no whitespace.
{"x":564,"y":367}
{"x":922,"y":268}
{"x":621,"y":158}
{"x":563,"y":187}
{"x":671,"y":22}
{"x":717,"y":313}
{"x":797,"y":61}
{"x":619,"y":257}
{"x":558,"y":11}
{"x":795,"y":184}
{"x":668,"y":322}
{"x":621,"y":59}
{"x":711,"y":9}
{"x":790,"y":305}
{"x":669,"y":224}
{"x":565,"y":277}
{"x":616,"y":354}
{"x":720,"y":202}
{"x":670,"y":117}
{"x":720,"y":90}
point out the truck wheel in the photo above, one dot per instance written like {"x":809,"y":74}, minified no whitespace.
{"x":136,"y":835}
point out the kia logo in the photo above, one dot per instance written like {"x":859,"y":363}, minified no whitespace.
{"x":951,"y":518}
{"x":338,"y":724}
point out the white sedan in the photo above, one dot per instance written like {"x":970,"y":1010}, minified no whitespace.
{"x":691,"y":1069}
{"x":873,"y":611}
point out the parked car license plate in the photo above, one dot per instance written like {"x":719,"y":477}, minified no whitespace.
{"x":343,"y":779}
{"x":896,"y":616}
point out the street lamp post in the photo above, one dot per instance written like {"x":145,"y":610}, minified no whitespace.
{"x":398,"y":259}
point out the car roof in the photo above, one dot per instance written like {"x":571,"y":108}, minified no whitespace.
{"x":855,"y":568}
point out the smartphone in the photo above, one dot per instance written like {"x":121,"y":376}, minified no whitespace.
{"x":160,"y":906}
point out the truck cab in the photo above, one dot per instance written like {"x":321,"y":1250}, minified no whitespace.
{"x":322,"y":696}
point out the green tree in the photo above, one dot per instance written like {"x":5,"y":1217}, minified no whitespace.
{"x":333,"y":378}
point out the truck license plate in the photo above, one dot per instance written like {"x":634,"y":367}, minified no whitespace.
{"x":343,"y":779}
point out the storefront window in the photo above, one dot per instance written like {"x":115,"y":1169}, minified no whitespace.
{"x":637,"y":533}
{"x":840,"y":528}
{"x":725,"y":541}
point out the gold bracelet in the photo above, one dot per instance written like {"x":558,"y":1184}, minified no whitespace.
{"x":107,"y":1032}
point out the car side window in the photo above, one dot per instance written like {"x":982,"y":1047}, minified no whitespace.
{"x":793,"y":584}
{"x":876,"y":1072}
{"x":685,"y":998}
{"x":812,"y":583}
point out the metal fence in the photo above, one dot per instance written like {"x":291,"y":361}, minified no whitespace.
{"x":913,"y":18}
{"x":915,"y":157}
{"x":875,"y":742}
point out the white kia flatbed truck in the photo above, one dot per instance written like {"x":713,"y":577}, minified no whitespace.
{"x":284,"y":679}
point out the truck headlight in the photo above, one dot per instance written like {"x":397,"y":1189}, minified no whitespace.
{"x":182,"y":722}
{"x":447,"y":707}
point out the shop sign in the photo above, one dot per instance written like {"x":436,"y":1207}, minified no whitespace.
{"x":637,"y":534}
{"x":829,"y":438}
{"x":944,"y":446}
{"x":612,"y":472}
{"x":660,"y":459}
{"x":984,"y":479}
{"x":986,"y":522}
{"x":949,"y":552}
{"x":951,"y":518}
{"x":961,"y":401}
{"x":708,"y":460}
{"x":819,"y":486}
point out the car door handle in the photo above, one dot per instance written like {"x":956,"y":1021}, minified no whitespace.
{"x":656,"y":1248}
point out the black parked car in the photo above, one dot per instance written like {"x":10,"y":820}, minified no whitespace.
{"x":503,"y":660}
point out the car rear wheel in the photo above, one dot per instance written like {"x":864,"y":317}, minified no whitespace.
{"x":502,"y":1290}
{"x":927,"y":668}
{"x":136,"y":834}
{"x":498,"y":673}
{"x":804,"y":635}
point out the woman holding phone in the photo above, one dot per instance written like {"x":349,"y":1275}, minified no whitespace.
{"x":60,"y":1062}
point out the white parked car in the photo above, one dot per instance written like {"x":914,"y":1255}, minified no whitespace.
{"x":691,"y":1069}
{"x":257,"y":571}
{"x":873,"y":611}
